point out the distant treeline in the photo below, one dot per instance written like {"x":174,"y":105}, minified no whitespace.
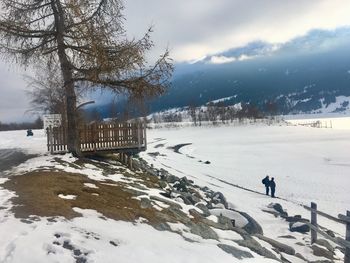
{"x":213,"y":112}
{"x":37,"y":124}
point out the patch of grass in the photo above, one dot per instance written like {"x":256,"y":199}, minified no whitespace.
{"x":37,"y":194}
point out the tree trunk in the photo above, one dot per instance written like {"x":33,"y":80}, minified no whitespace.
{"x":73,"y":143}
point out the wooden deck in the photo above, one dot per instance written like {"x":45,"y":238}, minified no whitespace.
{"x":129,"y":138}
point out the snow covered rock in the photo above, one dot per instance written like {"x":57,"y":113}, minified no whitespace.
{"x":204,"y":209}
{"x":279,"y":209}
{"x":299,"y":227}
{"x":321,"y":252}
{"x":237,"y":253}
{"x":219,"y":198}
{"x":203,"y":230}
{"x":253,"y":227}
{"x":279,"y":246}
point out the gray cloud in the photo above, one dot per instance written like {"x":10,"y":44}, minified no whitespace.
{"x":195,"y":28}
{"x":13,"y":99}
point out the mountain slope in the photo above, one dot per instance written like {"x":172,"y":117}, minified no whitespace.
{"x":304,"y":75}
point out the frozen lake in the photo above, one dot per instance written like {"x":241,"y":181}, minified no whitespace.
{"x":309,"y":164}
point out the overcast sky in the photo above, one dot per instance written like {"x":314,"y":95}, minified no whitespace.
{"x":193,"y":29}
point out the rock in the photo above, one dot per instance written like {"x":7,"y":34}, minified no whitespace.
{"x":171,"y":178}
{"x":180,"y":186}
{"x":185,"y":200}
{"x":219,"y":198}
{"x":279,"y":246}
{"x":166,"y":201}
{"x":207,"y":162}
{"x":195,"y":213}
{"x":321,"y":252}
{"x":204,"y":209}
{"x":288,"y":237}
{"x":162,"y":227}
{"x":279,"y":209}
{"x":205,"y":189}
{"x":226,"y":222}
{"x":166,"y":194}
{"x":145,"y":203}
{"x":330,"y":233}
{"x":325,"y":243}
{"x":273,"y":212}
{"x":299,"y":227}
{"x":202,"y":230}
{"x":191,"y":197}
{"x":254,"y":246}
{"x":237,"y":253}
{"x":297,"y":218}
{"x":162,"y":184}
{"x":252,"y":227}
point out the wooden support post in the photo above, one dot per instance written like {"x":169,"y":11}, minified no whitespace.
{"x":313,"y":222}
{"x":130,"y":161}
{"x":139,"y":143}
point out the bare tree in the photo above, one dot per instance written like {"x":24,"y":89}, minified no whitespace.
{"x":46,"y":91}
{"x":87,"y":40}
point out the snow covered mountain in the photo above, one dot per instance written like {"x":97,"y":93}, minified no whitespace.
{"x":309,"y":74}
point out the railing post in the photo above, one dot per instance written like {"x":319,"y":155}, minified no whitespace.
{"x":313,"y":222}
{"x":139,"y":143}
{"x":347,"y":238}
{"x":51,"y":139}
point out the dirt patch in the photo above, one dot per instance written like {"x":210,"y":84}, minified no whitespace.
{"x":37,"y":194}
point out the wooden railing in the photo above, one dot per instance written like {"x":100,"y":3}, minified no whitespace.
{"x":100,"y":137}
{"x":342,"y":219}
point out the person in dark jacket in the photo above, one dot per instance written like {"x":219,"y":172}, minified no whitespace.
{"x":266,"y":182}
{"x":273,"y":187}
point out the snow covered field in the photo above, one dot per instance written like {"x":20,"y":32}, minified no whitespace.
{"x":308,"y":164}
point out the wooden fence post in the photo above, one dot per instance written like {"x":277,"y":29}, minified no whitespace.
{"x":51,"y":139}
{"x":313,"y":222}
{"x":347,"y":238}
{"x":139,"y":143}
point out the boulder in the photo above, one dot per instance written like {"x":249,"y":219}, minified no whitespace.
{"x":330,"y":233}
{"x":296,"y":218}
{"x":237,"y":253}
{"x":321,"y":252}
{"x":299,"y":227}
{"x":219,"y":198}
{"x":202,"y":230}
{"x":254,"y":246}
{"x":279,"y":246}
{"x":170,"y":178}
{"x":184,"y":199}
{"x":162,"y":184}
{"x":325,"y":243}
{"x":204,"y":209}
{"x":180,"y":186}
{"x":279,"y":209}
{"x":145,"y":203}
{"x":252,"y":227}
{"x":226,"y":222}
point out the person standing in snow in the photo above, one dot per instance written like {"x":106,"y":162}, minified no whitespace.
{"x":273,"y":187}
{"x":266,"y":182}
